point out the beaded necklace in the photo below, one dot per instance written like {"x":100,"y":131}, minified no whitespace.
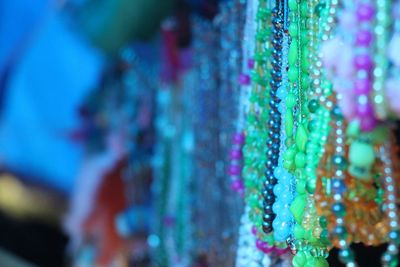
{"x":302,"y":157}
{"x":254,"y":149}
{"x":274,"y":121}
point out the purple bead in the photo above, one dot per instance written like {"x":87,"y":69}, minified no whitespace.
{"x":259,"y":244}
{"x":237,"y":186}
{"x":244,"y":79}
{"x":234,"y":170}
{"x":251,"y":63}
{"x":363,"y":62}
{"x":362,"y":86}
{"x":235,"y":154}
{"x":364,"y":110}
{"x":368,"y":124}
{"x":254,"y":230}
{"x":365,"y":12}
{"x":364,"y":38}
{"x":238,"y":138}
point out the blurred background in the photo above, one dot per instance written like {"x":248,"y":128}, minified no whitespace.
{"x":77,"y":85}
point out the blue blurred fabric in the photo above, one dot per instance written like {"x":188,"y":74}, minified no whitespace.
{"x":52,"y":70}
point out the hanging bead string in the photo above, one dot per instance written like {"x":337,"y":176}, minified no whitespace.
{"x":274,"y":121}
{"x":285,"y":190}
{"x":248,"y":254}
{"x":364,"y":65}
{"x":338,"y":161}
{"x":390,"y":257}
{"x":254,"y":150}
{"x":381,"y":30}
{"x":309,"y":244}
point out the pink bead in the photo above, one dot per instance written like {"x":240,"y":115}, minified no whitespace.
{"x":368,"y":124}
{"x":234,"y":170}
{"x":362,"y":86}
{"x":365,"y":12}
{"x":235,"y":154}
{"x":363,"y":62}
{"x":364,"y":38}
{"x":238,"y":138}
{"x":244,"y":79}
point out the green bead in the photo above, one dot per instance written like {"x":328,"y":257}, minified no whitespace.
{"x":299,"y":232}
{"x":311,"y":185}
{"x":318,"y":8}
{"x":290,"y":153}
{"x":293,"y":30}
{"x":301,"y":137}
{"x":313,"y":105}
{"x":305,"y":63}
{"x":288,"y":164}
{"x":301,"y":186}
{"x":304,"y":9}
{"x":300,"y":160}
{"x":305,"y":82}
{"x":323,"y":222}
{"x":297,"y":208}
{"x":312,"y":124}
{"x":293,"y":74}
{"x":293,"y":5}
{"x":293,"y":52}
{"x":289,"y":124}
{"x":299,"y":259}
{"x":290,"y":101}
{"x":251,"y":118}
{"x":353,"y":129}
{"x":361,"y":154}
{"x":321,"y":262}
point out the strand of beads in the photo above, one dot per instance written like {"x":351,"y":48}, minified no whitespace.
{"x":380,"y":58}
{"x":285,"y":188}
{"x":338,"y":161}
{"x":310,"y":249}
{"x":364,"y":64}
{"x":274,"y":122}
{"x":254,"y":149}
{"x":389,"y":258}
{"x":247,"y":254}
{"x":235,"y":154}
